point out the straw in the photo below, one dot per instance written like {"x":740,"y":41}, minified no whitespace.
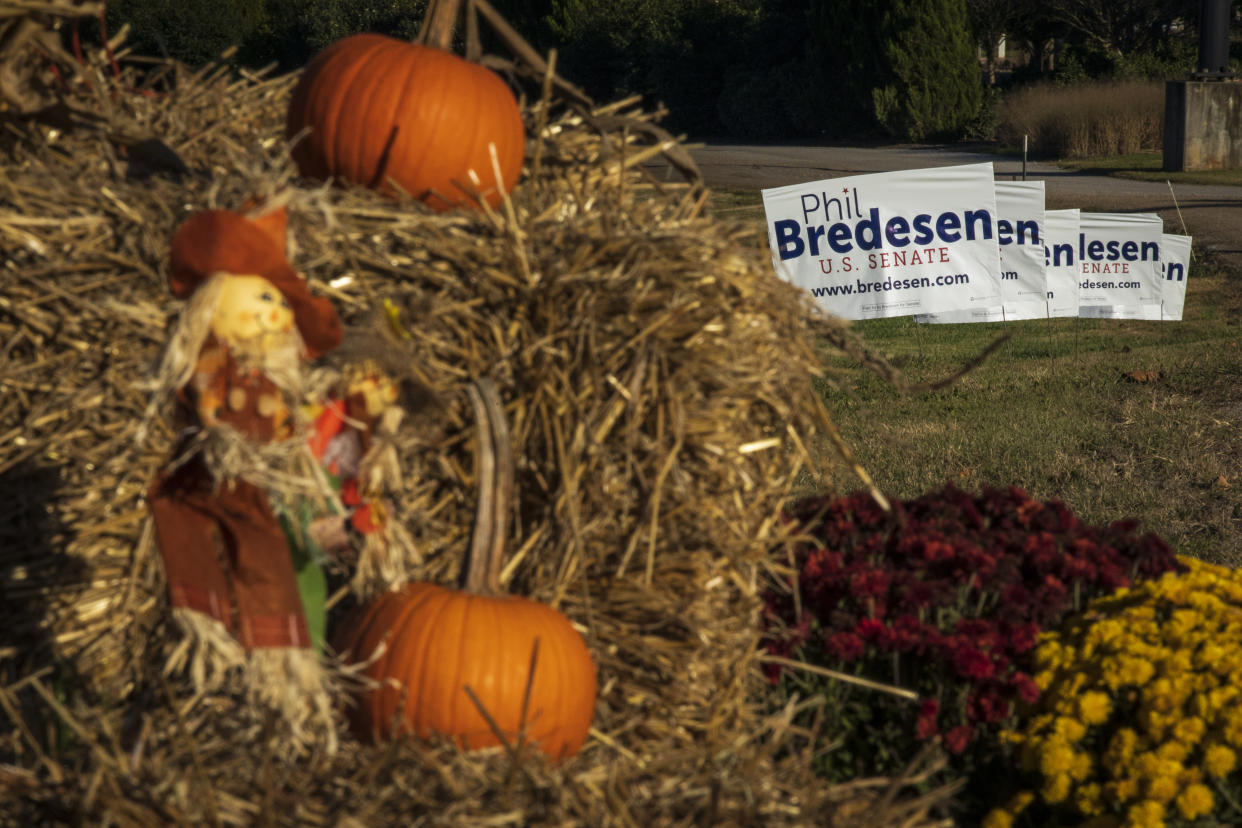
{"x":657,"y":381}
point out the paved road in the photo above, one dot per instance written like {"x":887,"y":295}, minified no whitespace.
{"x":1213,"y":214}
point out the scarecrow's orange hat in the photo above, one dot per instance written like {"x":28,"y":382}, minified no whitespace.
{"x":215,"y":241}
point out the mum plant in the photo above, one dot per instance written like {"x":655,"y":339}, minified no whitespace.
{"x":1139,"y":722}
{"x":943,"y":597}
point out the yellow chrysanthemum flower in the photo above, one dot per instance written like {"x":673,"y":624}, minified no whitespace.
{"x":1094,"y":707}
{"x":1180,"y":625}
{"x":1232,"y":592}
{"x":1162,"y":788}
{"x":1146,"y":814}
{"x":1231,"y":722}
{"x":1087,"y":799}
{"x":998,"y":818}
{"x":1122,"y":791}
{"x":1156,"y":724}
{"x":1195,"y":801}
{"x":1174,"y":751}
{"x":1054,"y":654}
{"x":1106,"y":632}
{"x":1231,"y":666}
{"x":1189,"y":730}
{"x":1080,"y":768}
{"x":1121,"y":746}
{"x":1219,"y":698}
{"x":1056,"y":788}
{"x":1209,"y":656}
{"x":1041,"y":723}
{"x":1162,"y":695}
{"x":1181,"y":664}
{"x":1020,"y":801}
{"x":1219,"y":760}
{"x":1068,"y":729}
{"x":1134,"y":672}
{"x":1056,"y":758}
{"x":1174,"y":590}
{"x":1206,"y":604}
{"x":1064,"y":705}
{"x":1166,"y":655}
{"x":1149,"y":765}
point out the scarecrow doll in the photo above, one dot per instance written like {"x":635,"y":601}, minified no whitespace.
{"x":242,"y":466}
{"x":352,"y":434}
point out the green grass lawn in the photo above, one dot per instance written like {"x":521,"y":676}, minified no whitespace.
{"x":1147,"y":166}
{"x":1053,"y":411}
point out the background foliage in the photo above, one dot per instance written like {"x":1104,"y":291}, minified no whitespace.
{"x":748,"y":69}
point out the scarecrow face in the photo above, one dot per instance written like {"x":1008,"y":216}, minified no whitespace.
{"x":251,"y":311}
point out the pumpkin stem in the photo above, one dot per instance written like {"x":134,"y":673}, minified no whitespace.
{"x":494,"y":472}
{"x":440,"y":23}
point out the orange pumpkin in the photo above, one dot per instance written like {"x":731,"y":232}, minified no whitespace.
{"x":450,"y":656}
{"x":439,"y":641}
{"x":381,"y":108}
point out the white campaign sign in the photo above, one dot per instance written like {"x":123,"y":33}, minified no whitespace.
{"x":890,"y":244}
{"x":1175,"y":267}
{"x":1024,"y":282}
{"x":1061,"y":261}
{"x":1118,"y":264}
{"x":1019,"y":231}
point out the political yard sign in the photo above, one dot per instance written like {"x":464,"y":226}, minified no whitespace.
{"x":1061,"y":261}
{"x":1119,"y":265}
{"x":890,"y":244}
{"x":1019,"y":231}
{"x":1174,"y":267}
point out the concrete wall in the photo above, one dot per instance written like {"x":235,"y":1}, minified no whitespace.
{"x":1202,"y":125}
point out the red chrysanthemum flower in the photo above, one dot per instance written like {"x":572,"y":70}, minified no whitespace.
{"x":971,"y":662}
{"x":845,"y":645}
{"x":926,"y":726}
{"x":958,"y":738}
{"x":1025,"y":687}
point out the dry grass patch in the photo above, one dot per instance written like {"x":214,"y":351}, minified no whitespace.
{"x":1087,"y":120}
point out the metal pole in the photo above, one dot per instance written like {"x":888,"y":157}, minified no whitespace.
{"x":1213,"y":40}
{"x":1025,"y":139}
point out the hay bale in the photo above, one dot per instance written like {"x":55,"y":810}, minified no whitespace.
{"x":658,"y":382}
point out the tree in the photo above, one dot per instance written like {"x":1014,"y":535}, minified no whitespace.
{"x":992,"y":20}
{"x":906,"y":67}
{"x":296,"y":30}
{"x":193,"y":31}
{"x":1122,"y":27}
{"x":288,"y":32}
{"x":606,"y":45}
{"x":842,"y":44}
{"x":685,"y":54}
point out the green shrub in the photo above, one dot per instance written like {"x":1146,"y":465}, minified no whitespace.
{"x":768,"y":104}
{"x":1091,"y":119}
{"x":193,"y":31}
{"x":750,"y":108}
{"x":289,"y":32}
{"x":906,"y":67}
{"x":1176,"y":60}
{"x":984,"y":125}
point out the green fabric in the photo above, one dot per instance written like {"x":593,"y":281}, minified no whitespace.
{"x":312,"y":582}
